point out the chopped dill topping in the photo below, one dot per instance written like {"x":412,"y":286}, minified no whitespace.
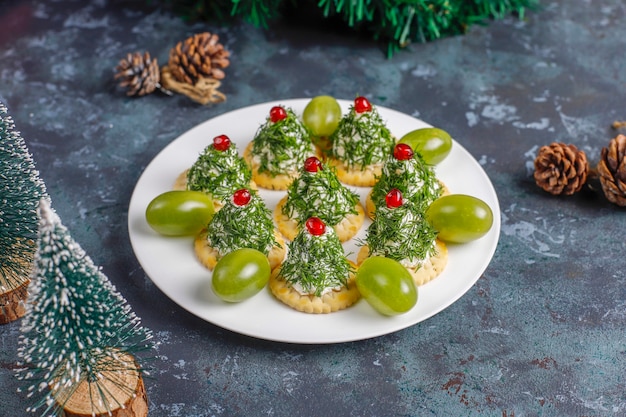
{"x":283,"y":146}
{"x":401,"y":233}
{"x":235,"y":227}
{"x":319,"y":194}
{"x":413,"y":177}
{"x":361,"y":139}
{"x":316,"y":262}
{"x":219,"y":173}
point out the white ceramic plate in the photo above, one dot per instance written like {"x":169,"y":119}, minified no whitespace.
{"x":172,"y":266}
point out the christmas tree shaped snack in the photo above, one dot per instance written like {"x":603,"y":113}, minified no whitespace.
{"x":80,"y":337}
{"x":278,"y":149}
{"x":406,"y":171}
{"x":399,"y":231}
{"x":360,"y":144}
{"x":20,"y":192}
{"x":316,"y":277}
{"x":318,"y":192}
{"x":243,"y":222}
{"x":218,"y":171}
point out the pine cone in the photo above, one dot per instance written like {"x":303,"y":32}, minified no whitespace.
{"x":198,"y":56}
{"x":612,"y":170}
{"x":138,"y":73}
{"x":561,"y":169}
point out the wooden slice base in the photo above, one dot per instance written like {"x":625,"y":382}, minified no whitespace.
{"x":120,"y":392}
{"x":12,"y":303}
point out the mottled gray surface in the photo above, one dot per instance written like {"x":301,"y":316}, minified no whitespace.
{"x":542,"y":331}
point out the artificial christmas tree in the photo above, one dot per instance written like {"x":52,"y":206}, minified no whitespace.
{"x":80,"y":337}
{"x":20,"y":191}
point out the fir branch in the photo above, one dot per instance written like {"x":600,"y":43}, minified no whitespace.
{"x":396,"y":23}
{"x":257,"y":12}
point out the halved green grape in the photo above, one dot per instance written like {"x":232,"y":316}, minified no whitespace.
{"x":460,"y":218}
{"x":432,"y":143}
{"x":322,"y":115}
{"x":240,"y":274}
{"x":386,"y":285}
{"x":180,"y":213}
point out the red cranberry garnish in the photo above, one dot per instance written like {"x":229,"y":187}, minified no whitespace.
{"x":362,"y":105}
{"x":312,"y":164}
{"x":402,"y":152}
{"x":394,"y":198}
{"x":277,"y":114}
{"x":241,"y":197}
{"x":315,"y":226}
{"x":221,"y":143}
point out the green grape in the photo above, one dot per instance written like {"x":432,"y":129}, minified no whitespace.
{"x":386,"y":285}
{"x":322,"y":115}
{"x":179,"y":213}
{"x":432,"y":143}
{"x":460,"y":218}
{"x":240,"y":274}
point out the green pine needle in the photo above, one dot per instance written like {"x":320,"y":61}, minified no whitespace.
{"x":394,"y":22}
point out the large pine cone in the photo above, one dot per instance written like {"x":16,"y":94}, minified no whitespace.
{"x":199,"y":56}
{"x":612,"y":170}
{"x":138,"y":74}
{"x":561,"y":169}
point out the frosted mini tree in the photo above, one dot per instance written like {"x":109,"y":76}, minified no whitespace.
{"x":20,"y":192}
{"x":80,"y":337}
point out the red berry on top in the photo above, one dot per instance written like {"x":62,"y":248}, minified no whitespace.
{"x":241,"y":197}
{"x":362,"y":105}
{"x":402,"y":152}
{"x":312,"y":164}
{"x":315,"y":226}
{"x":394,"y":198}
{"x":277,"y":113}
{"x":221,"y":143}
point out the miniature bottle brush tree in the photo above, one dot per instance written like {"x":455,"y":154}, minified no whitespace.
{"x":20,"y":191}
{"x":79,"y":336}
{"x":395,"y":22}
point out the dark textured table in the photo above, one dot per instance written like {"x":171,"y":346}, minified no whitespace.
{"x":542,"y":331}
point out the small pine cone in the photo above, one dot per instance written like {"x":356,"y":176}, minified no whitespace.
{"x":612,"y":170}
{"x":199,"y":56}
{"x":561,"y":169}
{"x":138,"y":74}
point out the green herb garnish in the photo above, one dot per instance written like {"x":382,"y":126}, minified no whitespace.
{"x":413,"y":177}
{"x":219,"y":173}
{"x":316,"y":262}
{"x":361,"y":139}
{"x":235,"y":227}
{"x":283,"y":146}
{"x":319,"y":194}
{"x":401,"y":233}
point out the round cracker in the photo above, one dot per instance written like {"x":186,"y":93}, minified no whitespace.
{"x":427,"y":271}
{"x":334,"y":300}
{"x":209,"y":256}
